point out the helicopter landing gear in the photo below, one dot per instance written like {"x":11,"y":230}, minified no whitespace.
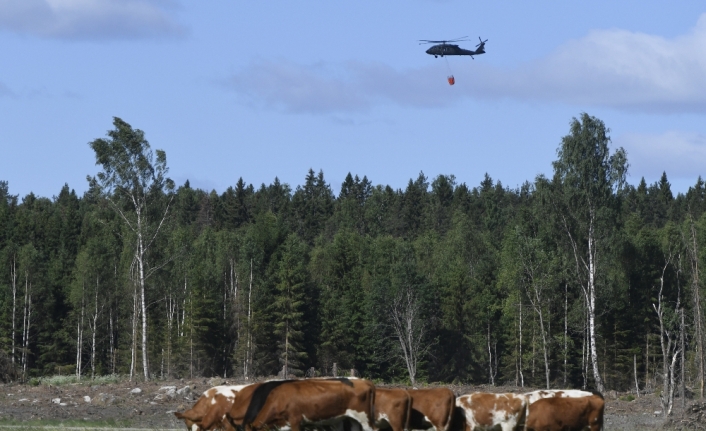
{"x":436,"y":56}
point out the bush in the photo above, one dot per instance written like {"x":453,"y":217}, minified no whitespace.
{"x":8,"y":372}
{"x":71,"y":380}
{"x":58,"y":380}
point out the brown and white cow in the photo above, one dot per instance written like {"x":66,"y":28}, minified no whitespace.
{"x":558,"y":393}
{"x":296,"y":403}
{"x":431,"y":408}
{"x":210,"y":409}
{"x":566,"y":414}
{"x":392,"y":407}
{"x":485,"y":411}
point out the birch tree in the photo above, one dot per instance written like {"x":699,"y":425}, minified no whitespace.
{"x":535,"y":277}
{"x":133,"y":182}
{"x":668,"y":337}
{"x":409,"y":330}
{"x":586,"y":178}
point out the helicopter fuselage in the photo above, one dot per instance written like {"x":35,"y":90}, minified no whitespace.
{"x":443,"y":49}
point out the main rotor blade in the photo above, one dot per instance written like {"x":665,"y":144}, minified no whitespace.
{"x":458,"y":39}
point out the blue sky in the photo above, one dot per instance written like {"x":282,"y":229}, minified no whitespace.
{"x":256,"y":90}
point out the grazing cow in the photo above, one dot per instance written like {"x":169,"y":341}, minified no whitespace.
{"x":566,"y":414}
{"x":484,"y":411}
{"x":392,"y":407}
{"x":559,"y":393}
{"x":210,"y":409}
{"x":431,"y":408}
{"x":300,"y":402}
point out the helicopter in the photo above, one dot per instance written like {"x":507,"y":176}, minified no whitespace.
{"x":444,"y":47}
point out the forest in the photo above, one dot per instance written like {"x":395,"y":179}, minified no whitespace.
{"x":575,"y":279}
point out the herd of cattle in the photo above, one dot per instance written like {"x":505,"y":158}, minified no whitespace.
{"x":356,"y":404}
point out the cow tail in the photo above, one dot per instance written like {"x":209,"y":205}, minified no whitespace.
{"x":371,"y":420}
{"x":409,"y":411}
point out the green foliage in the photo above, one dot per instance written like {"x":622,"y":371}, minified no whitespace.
{"x":248,"y":281}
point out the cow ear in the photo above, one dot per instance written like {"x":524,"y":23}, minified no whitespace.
{"x":179,"y":415}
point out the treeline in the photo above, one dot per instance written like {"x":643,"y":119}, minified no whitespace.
{"x":576,"y":279}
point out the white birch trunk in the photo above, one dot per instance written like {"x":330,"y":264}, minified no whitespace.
{"x":592,"y":253}
{"x":634,"y":365}
{"x":248,"y":352}
{"x":112,"y":341}
{"x":522,"y":376}
{"x":566,"y":330}
{"x":490,"y":359}
{"x":94,"y":329}
{"x":13,"y":278}
{"x":79,"y":336}
{"x":696,"y":295}
{"x":26,"y":323}
{"x":135,"y":318}
{"x":670,"y":351}
{"x":141,"y":268}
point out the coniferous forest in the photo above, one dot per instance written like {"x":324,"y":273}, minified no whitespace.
{"x":574,"y":279}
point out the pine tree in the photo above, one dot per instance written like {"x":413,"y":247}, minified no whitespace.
{"x":289,"y":304}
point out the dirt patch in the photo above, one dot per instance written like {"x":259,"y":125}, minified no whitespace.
{"x":151,"y":404}
{"x":144,"y":405}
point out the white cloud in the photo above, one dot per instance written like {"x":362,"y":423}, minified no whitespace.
{"x":297,"y":88}
{"x":614,"y":68}
{"x":680,"y":154}
{"x":327,"y":88}
{"x":608,"y":68}
{"x":90,"y":19}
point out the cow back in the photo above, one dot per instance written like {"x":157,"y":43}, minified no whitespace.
{"x":314,"y":400}
{"x":566,"y":414}
{"x":485,"y":411}
{"x":391,"y":406}
{"x":558,"y":393}
{"x":431,"y":407}
{"x":259,"y":398}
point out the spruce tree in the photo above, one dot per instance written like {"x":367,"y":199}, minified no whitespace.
{"x":289,"y":305}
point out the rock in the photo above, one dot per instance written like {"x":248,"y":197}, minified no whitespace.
{"x":613,"y":395}
{"x":56,"y":400}
{"x":184,"y":391}
{"x":136,"y":391}
{"x":159,"y":397}
{"x":62,"y":404}
{"x":104,"y":399}
{"x":167,"y":388}
{"x":658,"y":412}
{"x":171,"y":393}
{"x":87,"y":399}
{"x":23,"y":399}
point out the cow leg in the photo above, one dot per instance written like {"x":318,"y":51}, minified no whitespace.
{"x":295,"y":425}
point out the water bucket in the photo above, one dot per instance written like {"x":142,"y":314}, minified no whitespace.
{"x":451,"y":79}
